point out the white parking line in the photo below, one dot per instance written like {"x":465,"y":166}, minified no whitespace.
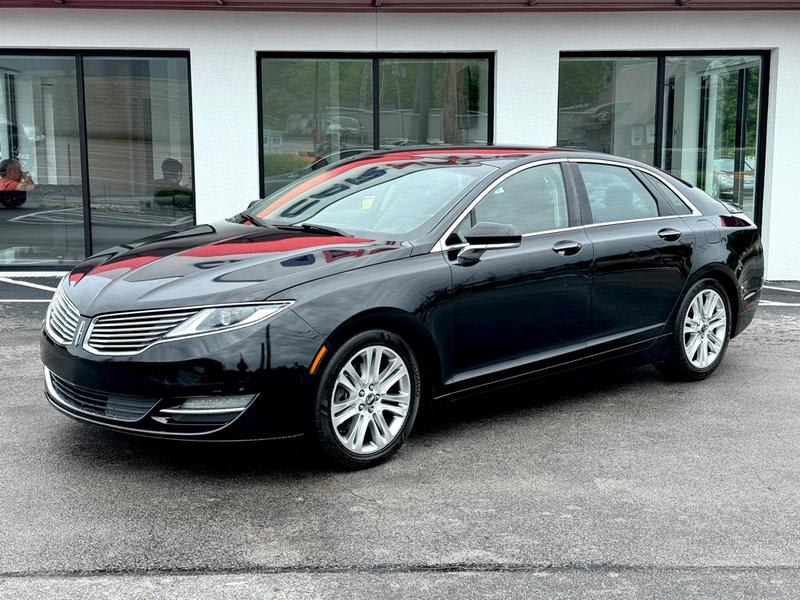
{"x":780,"y":289}
{"x":36,"y":286}
{"x":33,"y":274}
{"x":15,"y":301}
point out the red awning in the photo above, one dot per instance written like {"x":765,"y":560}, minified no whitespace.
{"x":416,"y":5}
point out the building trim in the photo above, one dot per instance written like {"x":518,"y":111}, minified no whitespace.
{"x":417,"y":6}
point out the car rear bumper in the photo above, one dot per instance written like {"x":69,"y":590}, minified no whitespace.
{"x":748,"y":312}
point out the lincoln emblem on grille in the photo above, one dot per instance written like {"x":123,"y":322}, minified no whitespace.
{"x":79,"y":332}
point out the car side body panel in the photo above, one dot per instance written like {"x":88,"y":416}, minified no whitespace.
{"x":638,"y":280}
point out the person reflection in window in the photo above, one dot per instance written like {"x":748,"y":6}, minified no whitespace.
{"x":14,"y":184}
{"x":13,"y":178}
{"x":168,"y":190}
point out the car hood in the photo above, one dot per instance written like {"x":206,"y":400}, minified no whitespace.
{"x":216,"y":264}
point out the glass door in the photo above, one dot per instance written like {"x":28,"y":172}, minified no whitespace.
{"x":711,"y":124}
{"x":41,"y":188}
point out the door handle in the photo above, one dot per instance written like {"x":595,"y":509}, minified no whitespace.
{"x":668,"y":234}
{"x":566,"y":248}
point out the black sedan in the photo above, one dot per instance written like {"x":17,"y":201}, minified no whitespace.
{"x":339,"y":304}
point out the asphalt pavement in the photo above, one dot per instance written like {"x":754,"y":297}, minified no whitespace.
{"x":602,"y":483}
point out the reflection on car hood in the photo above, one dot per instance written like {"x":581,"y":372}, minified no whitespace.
{"x":215,"y":264}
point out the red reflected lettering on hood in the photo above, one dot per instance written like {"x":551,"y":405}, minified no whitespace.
{"x":133,"y":262}
{"x":280,"y":245}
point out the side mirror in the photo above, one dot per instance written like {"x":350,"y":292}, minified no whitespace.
{"x":488,"y":236}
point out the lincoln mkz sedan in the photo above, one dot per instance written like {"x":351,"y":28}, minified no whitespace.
{"x":340,"y":303}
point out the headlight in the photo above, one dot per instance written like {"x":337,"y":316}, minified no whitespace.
{"x":225,"y":318}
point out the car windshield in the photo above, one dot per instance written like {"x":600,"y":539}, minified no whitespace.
{"x":373,"y":195}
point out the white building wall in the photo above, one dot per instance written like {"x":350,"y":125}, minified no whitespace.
{"x":223,"y":48}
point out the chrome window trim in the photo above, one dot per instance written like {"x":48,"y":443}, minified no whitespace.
{"x":85,"y":345}
{"x":656,"y":174}
{"x":440,"y":245}
{"x":658,"y":218}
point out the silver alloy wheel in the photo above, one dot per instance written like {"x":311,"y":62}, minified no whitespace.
{"x":704,"y":329}
{"x":370,"y":399}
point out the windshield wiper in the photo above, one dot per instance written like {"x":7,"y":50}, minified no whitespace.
{"x":254,"y":219}
{"x":313,"y":228}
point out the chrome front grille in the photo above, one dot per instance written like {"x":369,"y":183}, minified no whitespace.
{"x":111,"y":406}
{"x":62,"y":319}
{"x":132,"y":332}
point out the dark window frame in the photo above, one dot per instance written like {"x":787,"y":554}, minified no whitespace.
{"x":661,"y":57}
{"x":78,"y":56}
{"x":375,"y":58}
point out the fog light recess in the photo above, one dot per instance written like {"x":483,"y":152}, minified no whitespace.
{"x":209,"y":405}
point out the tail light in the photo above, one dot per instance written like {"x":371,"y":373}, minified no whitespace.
{"x":739,"y":220}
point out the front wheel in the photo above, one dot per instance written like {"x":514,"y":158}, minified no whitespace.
{"x":367,"y":400}
{"x":702,"y":331}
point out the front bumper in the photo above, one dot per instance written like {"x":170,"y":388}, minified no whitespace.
{"x":128,"y":393}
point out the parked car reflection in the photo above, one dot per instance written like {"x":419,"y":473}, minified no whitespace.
{"x":725,"y":180}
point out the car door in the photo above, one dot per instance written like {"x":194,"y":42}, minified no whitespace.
{"x":642,"y":254}
{"x":520,"y":306}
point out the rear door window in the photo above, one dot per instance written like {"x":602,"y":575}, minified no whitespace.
{"x":615,"y":194}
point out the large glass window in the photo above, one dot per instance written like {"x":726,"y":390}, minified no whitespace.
{"x":440,"y":101}
{"x":139,"y":146}
{"x":134,"y":145}
{"x":711,"y":109}
{"x":317,"y":110}
{"x":608,"y":105}
{"x":41,"y":197}
{"x":701,"y":120}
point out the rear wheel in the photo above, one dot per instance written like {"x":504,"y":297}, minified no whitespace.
{"x":702,"y":331}
{"x":367,"y":400}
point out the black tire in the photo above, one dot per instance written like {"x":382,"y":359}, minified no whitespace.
{"x":677,"y":366}
{"x":325,"y":435}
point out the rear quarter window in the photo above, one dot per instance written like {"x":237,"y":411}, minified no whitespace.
{"x":667,"y":195}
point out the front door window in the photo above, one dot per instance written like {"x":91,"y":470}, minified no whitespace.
{"x":532,"y":200}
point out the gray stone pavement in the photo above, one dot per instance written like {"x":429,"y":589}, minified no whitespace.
{"x":609,"y":482}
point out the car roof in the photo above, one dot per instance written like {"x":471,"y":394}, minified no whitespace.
{"x":496,"y":156}
{"x":503,"y":157}
{"x":508,"y":156}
